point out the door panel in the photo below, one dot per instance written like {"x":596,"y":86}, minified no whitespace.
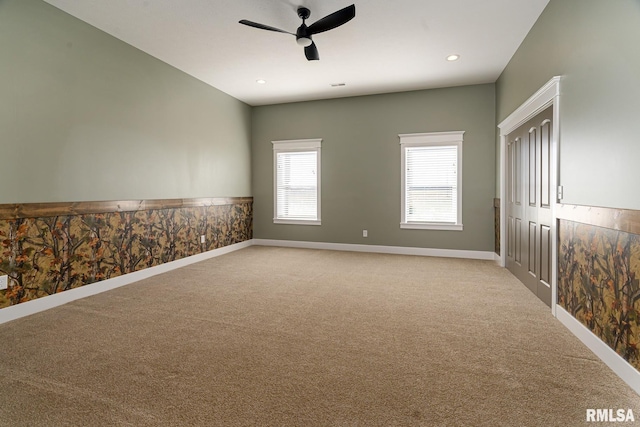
{"x":518,"y":241}
{"x":532,"y":166}
{"x":517,"y":170}
{"x":510,"y":237}
{"x":532,"y":248}
{"x":545,"y":254}
{"x":545,"y":164}
{"x":510,"y":175}
{"x":529,"y":204}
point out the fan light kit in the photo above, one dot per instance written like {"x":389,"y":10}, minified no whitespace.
{"x":303,"y":33}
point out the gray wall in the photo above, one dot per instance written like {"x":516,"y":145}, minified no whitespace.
{"x":595,"y":46}
{"x":361,"y":164}
{"x":84,"y":116}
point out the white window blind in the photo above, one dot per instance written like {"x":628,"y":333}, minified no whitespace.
{"x":431,"y":180}
{"x":431,"y":184}
{"x":297,"y":185}
{"x":297,"y":182}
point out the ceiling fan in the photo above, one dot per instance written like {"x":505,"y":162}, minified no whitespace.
{"x":303,"y":33}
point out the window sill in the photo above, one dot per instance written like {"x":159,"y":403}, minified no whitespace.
{"x":430,"y":226}
{"x":296,"y":221}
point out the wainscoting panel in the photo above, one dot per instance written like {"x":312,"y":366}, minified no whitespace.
{"x":599,"y":272}
{"x":47,"y":248}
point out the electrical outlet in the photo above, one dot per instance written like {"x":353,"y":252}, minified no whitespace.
{"x":365,"y":233}
{"x":4,"y":282}
{"x":202,"y":239}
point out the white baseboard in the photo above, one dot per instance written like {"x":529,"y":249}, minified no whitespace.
{"x":30,"y":307}
{"x":612,"y":359}
{"x":398,"y":250}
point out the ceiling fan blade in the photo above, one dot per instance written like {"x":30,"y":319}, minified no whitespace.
{"x":334,"y":20}
{"x":311,"y":52}
{"x":264,"y":27}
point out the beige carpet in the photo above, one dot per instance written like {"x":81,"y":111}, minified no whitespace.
{"x":292,"y":337}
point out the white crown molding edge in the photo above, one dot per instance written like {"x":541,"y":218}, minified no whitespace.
{"x":536,"y":103}
{"x":431,"y":137}
{"x":297,"y":144}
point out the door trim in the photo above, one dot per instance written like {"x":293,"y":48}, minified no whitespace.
{"x":548,"y":95}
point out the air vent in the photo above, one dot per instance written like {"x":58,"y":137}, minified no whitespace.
{"x":338,"y":84}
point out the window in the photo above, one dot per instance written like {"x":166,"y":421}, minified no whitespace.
{"x":296,"y":185}
{"x":431,"y":180}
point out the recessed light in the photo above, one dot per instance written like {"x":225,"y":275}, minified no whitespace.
{"x":453,"y":57}
{"x":261,"y":81}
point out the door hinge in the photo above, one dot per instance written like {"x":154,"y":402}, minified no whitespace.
{"x":560,"y":192}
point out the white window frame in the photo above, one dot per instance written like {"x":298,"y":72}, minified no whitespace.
{"x":454,"y":138}
{"x":289,"y":146}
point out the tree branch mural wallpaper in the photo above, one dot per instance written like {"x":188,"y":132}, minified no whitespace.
{"x":598,"y":272}
{"x":47,"y":255}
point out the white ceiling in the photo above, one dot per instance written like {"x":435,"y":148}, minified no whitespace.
{"x":390,"y":46}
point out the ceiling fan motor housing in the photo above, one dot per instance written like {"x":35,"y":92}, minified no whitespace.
{"x":302,"y":36}
{"x":304,"y":13}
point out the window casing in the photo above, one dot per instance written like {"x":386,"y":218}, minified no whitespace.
{"x":431,"y":180}
{"x":296,"y":181}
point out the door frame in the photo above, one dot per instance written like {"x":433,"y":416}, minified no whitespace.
{"x":548,"y":95}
